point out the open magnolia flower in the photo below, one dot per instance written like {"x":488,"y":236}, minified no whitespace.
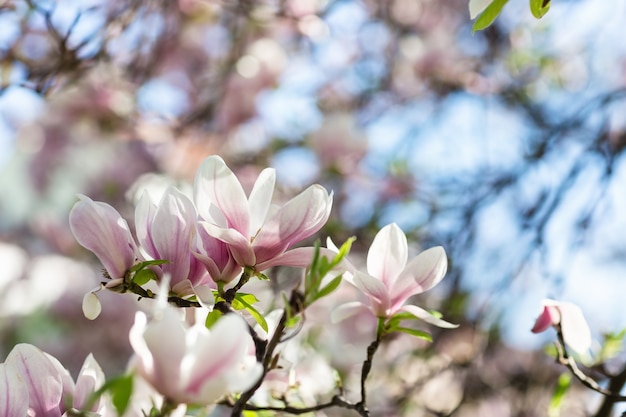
{"x":194,"y":365}
{"x":390,"y":281}
{"x":571,"y":321}
{"x":255,"y":236}
{"x":33,"y":383}
{"x":100,"y":228}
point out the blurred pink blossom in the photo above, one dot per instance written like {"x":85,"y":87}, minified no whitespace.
{"x":194,"y":364}
{"x":35,"y":383}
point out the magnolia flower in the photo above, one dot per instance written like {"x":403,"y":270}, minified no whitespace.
{"x":194,"y":364}
{"x":256,"y":237}
{"x":390,"y":281}
{"x":569,"y":318}
{"x":100,"y":228}
{"x":167,"y":231}
{"x":35,"y":383}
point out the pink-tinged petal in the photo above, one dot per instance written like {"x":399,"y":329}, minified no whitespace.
{"x":67,"y":382}
{"x":261,"y":198}
{"x":144,"y":215}
{"x":212,"y":357}
{"x":161,"y":348}
{"x":388,"y":254}
{"x":44,"y":384}
{"x":549,"y":317}
{"x":13,"y":393}
{"x":100,"y":228}
{"x":376,"y":291}
{"x":90,"y":379}
{"x":216,"y":184}
{"x":238,"y":244}
{"x":426,"y":269}
{"x":347,"y":310}
{"x":427,"y":317}
{"x":298,"y":219}
{"x":576,"y":333}
{"x":205,"y":296}
{"x":298,"y":257}
{"x":172,"y":231}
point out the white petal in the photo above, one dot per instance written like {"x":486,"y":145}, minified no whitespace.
{"x":91,"y":305}
{"x":347,"y":310}
{"x":575,"y":329}
{"x":387,"y":254}
{"x":260,"y":199}
{"x":205,"y":296}
{"x":427,"y":268}
{"x":427,"y":317}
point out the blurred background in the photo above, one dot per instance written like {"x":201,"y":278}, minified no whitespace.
{"x":504,"y":146}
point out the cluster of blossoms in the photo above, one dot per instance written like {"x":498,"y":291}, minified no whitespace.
{"x":188,"y":252}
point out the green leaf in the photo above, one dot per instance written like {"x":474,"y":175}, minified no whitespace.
{"x":212,"y":318}
{"x":330,"y":287}
{"x":141,"y":265}
{"x":539,"y":7}
{"x":143,"y":276}
{"x":256,"y":314}
{"x":414,"y":332}
{"x":488,"y":16}
{"x":120,"y":389}
{"x":554,"y":409}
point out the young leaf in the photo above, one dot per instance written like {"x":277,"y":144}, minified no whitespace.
{"x":211,"y":318}
{"x":539,"y":7}
{"x":330,"y":287}
{"x":554,"y":409}
{"x":143,"y":276}
{"x":414,"y":332}
{"x":487,"y":17}
{"x":142,"y":265}
{"x":256,"y":314}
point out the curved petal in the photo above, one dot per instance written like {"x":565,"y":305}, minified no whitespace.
{"x":100,"y":228}
{"x":298,"y":219}
{"x":216,"y":184}
{"x":13,"y":393}
{"x":298,"y":257}
{"x":172,"y":231}
{"x":260,"y":199}
{"x":427,"y":317}
{"x":90,"y":378}
{"x":239,"y":245}
{"x":426,"y":269}
{"x":161,"y":348}
{"x":144,"y":215}
{"x":91,"y":304}
{"x":387,"y":254}
{"x":211,"y":358}
{"x":42,"y":379}
{"x":375,"y":291}
{"x":576,"y":333}
{"x":347,"y":310}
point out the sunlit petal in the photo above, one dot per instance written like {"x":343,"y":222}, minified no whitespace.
{"x":261,"y":198}
{"x":388,"y":254}
{"x":427,"y":268}
{"x":298,"y":219}
{"x":427,"y":317}
{"x":216,"y":184}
